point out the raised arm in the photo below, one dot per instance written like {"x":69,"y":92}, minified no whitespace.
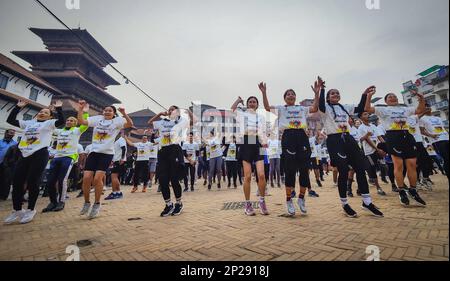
{"x":156,"y":117}
{"x":318,"y":85}
{"x":129,"y":123}
{"x":421,"y":108}
{"x":130,"y":143}
{"x":370,"y":92}
{"x":81,"y":106}
{"x":12,"y":118}
{"x":59,"y":114}
{"x":263,"y":88}
{"x":236,"y":103}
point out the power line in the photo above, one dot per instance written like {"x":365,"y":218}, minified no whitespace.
{"x":127,"y":80}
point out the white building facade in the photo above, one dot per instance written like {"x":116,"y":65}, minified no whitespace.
{"x":433,"y":83}
{"x":18,"y":83}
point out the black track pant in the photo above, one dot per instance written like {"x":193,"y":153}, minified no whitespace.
{"x":345,"y":153}
{"x":5,"y":181}
{"x":232,"y":170}
{"x":170,"y":169}
{"x":189,"y":170}
{"x":141,"y":172}
{"x":441,"y":147}
{"x":28,"y":175}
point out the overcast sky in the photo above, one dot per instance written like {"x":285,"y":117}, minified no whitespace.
{"x":214,"y":51}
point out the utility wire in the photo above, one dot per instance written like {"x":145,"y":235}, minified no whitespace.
{"x":127,"y":80}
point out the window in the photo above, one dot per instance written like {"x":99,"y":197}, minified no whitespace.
{"x":34,"y":94}
{"x":27,"y":117}
{"x":3,"y":81}
{"x":431,"y":100}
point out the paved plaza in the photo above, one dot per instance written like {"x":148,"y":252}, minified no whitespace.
{"x":131,"y":229}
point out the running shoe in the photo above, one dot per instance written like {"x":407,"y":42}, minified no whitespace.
{"x":177,"y":209}
{"x":415,"y":195}
{"x":249,"y":211}
{"x":85,"y":209}
{"x":94,"y":211}
{"x":111,"y":196}
{"x":50,"y":207}
{"x":312,"y":193}
{"x":290,"y":208}
{"x":381,"y":192}
{"x":349,"y":212}
{"x":302,"y":205}
{"x":59,"y":207}
{"x":14,"y":216}
{"x":118,"y":195}
{"x":395,"y":188}
{"x":168,"y":210}
{"x":185,"y":189}
{"x":134,"y":190}
{"x":350,"y":194}
{"x":319,"y":184}
{"x":372,"y":209}
{"x":28,"y":216}
{"x":403,"y":197}
{"x":263,"y":208}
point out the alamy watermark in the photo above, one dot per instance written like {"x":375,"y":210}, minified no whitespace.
{"x":373,"y":252}
{"x":373,"y":4}
{"x":73,"y":4}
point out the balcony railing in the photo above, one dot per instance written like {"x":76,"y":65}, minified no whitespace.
{"x":441,"y":105}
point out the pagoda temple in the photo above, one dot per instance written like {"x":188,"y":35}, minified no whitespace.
{"x":74,"y":66}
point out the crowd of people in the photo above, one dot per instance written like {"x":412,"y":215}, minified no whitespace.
{"x":372,"y":143}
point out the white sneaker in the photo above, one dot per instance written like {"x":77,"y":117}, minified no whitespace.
{"x":94,"y":211}
{"x":290,"y":208}
{"x":302,"y":205}
{"x":28,"y":216}
{"x":85,"y":209}
{"x":14,"y":216}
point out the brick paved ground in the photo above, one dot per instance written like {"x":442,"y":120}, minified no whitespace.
{"x":205,"y":232}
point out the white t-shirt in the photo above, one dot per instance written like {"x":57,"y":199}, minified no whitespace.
{"x":434,"y":125}
{"x":231,"y":153}
{"x":292,"y":117}
{"x":191,"y":150}
{"x":80,"y":151}
{"x":394,"y":118}
{"x":36,"y":135}
{"x":430,"y":149}
{"x":67,"y":142}
{"x":355,"y":134}
{"x":312,"y":144}
{"x":105,"y":133}
{"x":414,"y":127}
{"x":339,"y":123}
{"x":215,"y":148}
{"x":274,"y":147}
{"x":171,"y":131}
{"x":88,"y":149}
{"x":118,"y":144}
{"x":154,"y":151}
{"x":208,"y":153}
{"x":251,"y":123}
{"x":143,"y":150}
{"x":362,"y":131}
{"x":381,"y":130}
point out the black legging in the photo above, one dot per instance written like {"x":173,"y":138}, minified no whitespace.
{"x":170,"y":169}
{"x":189,"y":169}
{"x":141,"y":172}
{"x":424,"y":161}
{"x":232,"y":171}
{"x":344,"y":152}
{"x":29,"y":172}
{"x":441,"y":147}
{"x":390,"y":168}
